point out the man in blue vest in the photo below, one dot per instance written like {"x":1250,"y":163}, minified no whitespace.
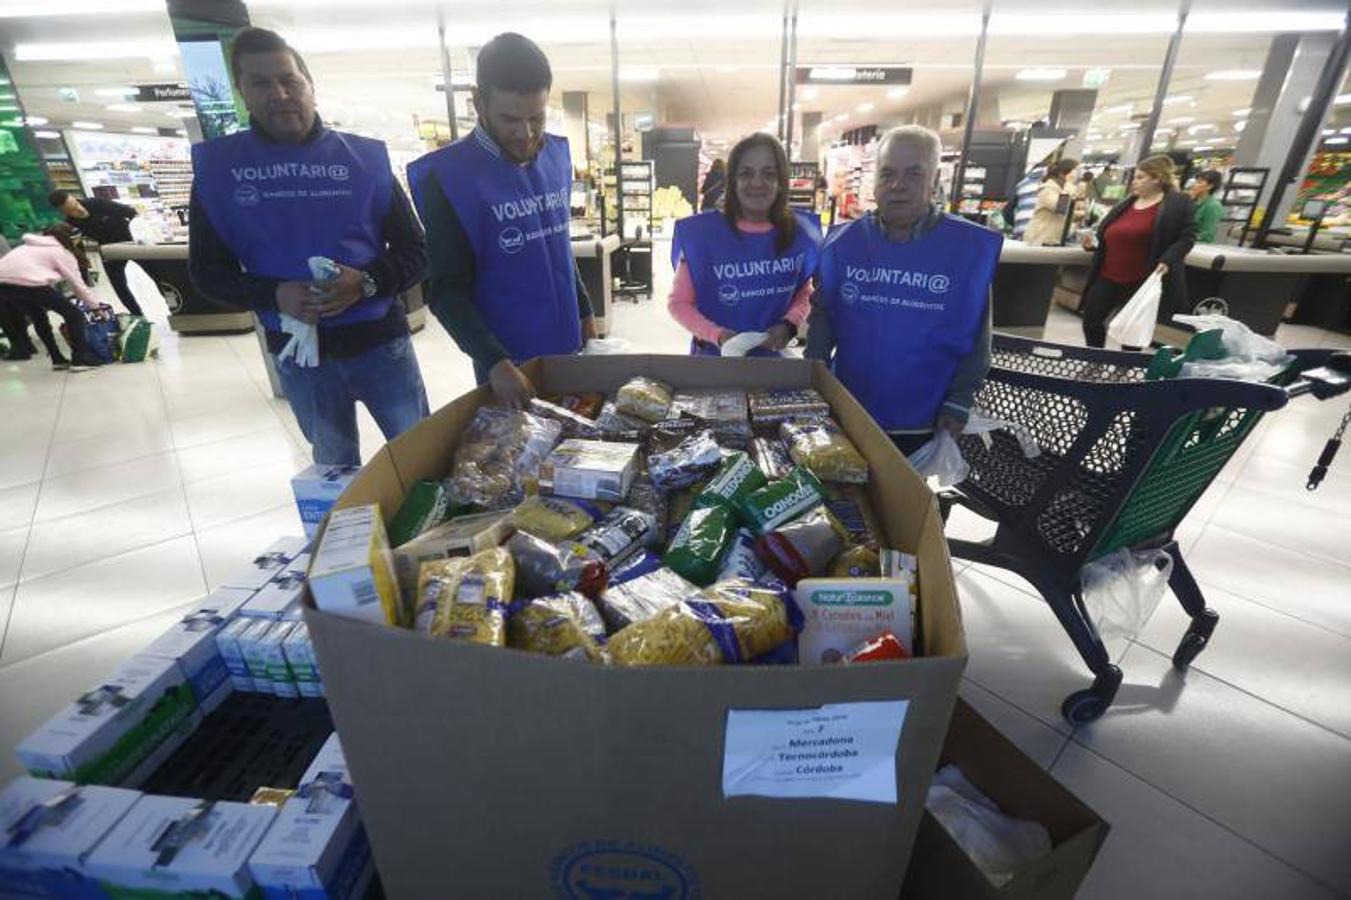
{"x":266,"y":200}
{"x":903,"y":309}
{"x":502,"y":278}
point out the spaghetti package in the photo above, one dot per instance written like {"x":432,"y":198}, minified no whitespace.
{"x":543,"y":568}
{"x":826,"y":450}
{"x":557,"y":626}
{"x":726,"y":412}
{"x":497,"y":462}
{"x":771,"y":457}
{"x":771,"y":408}
{"x":639,"y":599}
{"x":730,"y":622}
{"x":857,"y":562}
{"x":699,"y":546}
{"x":574,"y":424}
{"x":647,"y":497}
{"x":804,"y":547}
{"x":676,"y":461}
{"x":617,"y":426}
{"x":553,"y":518}
{"x":644,"y":398}
{"x":467,"y":599}
{"x":621,"y":534}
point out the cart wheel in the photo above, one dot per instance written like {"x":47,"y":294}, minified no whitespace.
{"x":1083,"y":707}
{"x":1191,"y":645}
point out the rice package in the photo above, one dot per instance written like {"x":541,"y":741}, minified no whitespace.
{"x":824,"y":448}
{"x":497,"y":462}
{"x":730,"y":622}
{"x":467,"y":599}
{"x":641,"y":598}
{"x":697,"y":551}
{"x":553,"y":518}
{"x":644,"y":398}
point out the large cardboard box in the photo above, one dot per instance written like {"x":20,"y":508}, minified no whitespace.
{"x":492,"y":773}
{"x":1022,"y":789}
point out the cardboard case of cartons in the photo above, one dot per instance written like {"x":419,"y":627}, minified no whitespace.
{"x":488,"y":772}
{"x":939,"y":867}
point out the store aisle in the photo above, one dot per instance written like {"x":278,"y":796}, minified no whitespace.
{"x":128,"y":492}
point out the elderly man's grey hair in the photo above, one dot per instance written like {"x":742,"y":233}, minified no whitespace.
{"x":918,"y":135}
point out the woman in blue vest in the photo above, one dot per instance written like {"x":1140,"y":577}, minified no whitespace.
{"x":903,"y":308}
{"x":749,"y":267}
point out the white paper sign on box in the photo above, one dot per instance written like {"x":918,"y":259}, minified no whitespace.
{"x":844,"y":751}
{"x":48,"y":828}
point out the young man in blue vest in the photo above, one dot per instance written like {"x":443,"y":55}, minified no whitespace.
{"x":903,"y":309}
{"x":288,"y":188}
{"x":502,"y":278}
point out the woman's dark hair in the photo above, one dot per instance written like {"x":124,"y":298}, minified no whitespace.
{"x":1213,"y":178}
{"x":512,"y":62}
{"x":263,"y":40}
{"x":785,"y":223}
{"x":1061,"y":169}
{"x":65,"y":236}
{"x":718,"y":165}
{"x":58,"y":199}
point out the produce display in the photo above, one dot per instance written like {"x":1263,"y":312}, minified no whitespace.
{"x":654,"y":527}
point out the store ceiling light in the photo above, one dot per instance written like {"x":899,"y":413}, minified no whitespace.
{"x":83,"y":51}
{"x":116,"y":92}
{"x":1204,"y":148}
{"x":1233,"y":75}
{"x":1342,"y":100}
{"x":35,"y":120}
{"x":1243,"y":113}
{"x":1180,"y":98}
{"x":1197,"y":129}
{"x":810,"y":93}
{"x":840,"y":117}
{"x":865,"y":107}
{"x":123,"y":107}
{"x":181,"y":132}
{"x":1041,"y":74}
{"x":1338,"y":141}
{"x":47,"y":135}
{"x":18,"y":9}
{"x":1126,"y":108}
{"x":8,"y":108}
{"x":639,"y":73}
{"x":1240,"y":124}
{"x":1182,"y":120}
{"x":1345,"y":131}
{"x":141,"y":129}
{"x":897,"y":93}
{"x":87,"y":126}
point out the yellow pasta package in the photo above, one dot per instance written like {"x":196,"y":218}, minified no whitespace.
{"x":467,"y":598}
{"x":730,"y":622}
{"x":553,"y":627}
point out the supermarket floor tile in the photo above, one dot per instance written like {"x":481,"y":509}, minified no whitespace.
{"x":1268,"y":776}
{"x":1225,"y":782}
{"x":1160,"y":847}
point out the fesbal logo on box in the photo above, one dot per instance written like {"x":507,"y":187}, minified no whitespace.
{"x":623,"y":870}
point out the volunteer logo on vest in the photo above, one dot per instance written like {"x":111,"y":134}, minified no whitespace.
{"x":247,"y":195}
{"x":849,"y":293}
{"x":338,"y":172}
{"x":728,"y":294}
{"x":939,"y":284}
{"x":511,"y":240}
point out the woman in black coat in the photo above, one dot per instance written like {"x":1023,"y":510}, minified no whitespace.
{"x":715,"y":182}
{"x":1153,"y":229}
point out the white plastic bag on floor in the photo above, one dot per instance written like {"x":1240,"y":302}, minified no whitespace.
{"x":743,"y":343}
{"x":1134,"y":325}
{"x":1248,"y":356}
{"x":941,"y":459}
{"x":1122,"y":590}
{"x":998,"y":844}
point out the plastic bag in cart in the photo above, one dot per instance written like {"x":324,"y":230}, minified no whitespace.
{"x":1122,"y":590}
{"x":1248,"y":356}
{"x":1133,"y":326}
{"x":942,"y":459}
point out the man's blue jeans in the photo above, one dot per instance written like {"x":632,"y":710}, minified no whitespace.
{"x":324,"y":397}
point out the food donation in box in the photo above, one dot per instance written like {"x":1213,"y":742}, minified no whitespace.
{"x":654,"y":570}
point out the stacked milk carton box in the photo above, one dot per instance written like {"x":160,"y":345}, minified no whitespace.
{"x":316,"y":490}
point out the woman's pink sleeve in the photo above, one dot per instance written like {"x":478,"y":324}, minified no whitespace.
{"x":681,"y":305}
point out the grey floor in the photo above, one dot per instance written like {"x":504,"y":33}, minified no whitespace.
{"x":128,"y":492}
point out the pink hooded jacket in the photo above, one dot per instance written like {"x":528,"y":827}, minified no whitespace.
{"x":41,"y":261}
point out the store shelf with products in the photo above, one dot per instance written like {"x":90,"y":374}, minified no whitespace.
{"x":850,"y":173}
{"x":1241,"y":194}
{"x":636,"y":181}
{"x":151,"y":174}
{"x":802,"y":178}
{"x":1328,"y":179}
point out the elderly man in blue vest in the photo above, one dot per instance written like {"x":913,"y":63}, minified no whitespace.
{"x":266,"y":200}
{"x":502,"y":278}
{"x":902,"y":313}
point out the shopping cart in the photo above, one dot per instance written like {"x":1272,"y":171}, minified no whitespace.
{"x":1122,"y":461}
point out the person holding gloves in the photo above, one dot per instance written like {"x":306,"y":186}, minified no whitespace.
{"x":748,"y":267}
{"x":502,"y":277}
{"x":902,"y":313}
{"x":265,"y":201}
{"x":29,"y":274}
{"x":1055,"y":197}
{"x":1151,"y":230}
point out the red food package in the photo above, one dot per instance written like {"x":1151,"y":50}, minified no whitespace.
{"x":884,"y":646}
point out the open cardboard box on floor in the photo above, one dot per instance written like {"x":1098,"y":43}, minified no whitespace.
{"x":485,"y":772}
{"x":939,"y":868}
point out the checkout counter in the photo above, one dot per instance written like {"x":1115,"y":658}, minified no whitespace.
{"x":1025,"y":282}
{"x":595,"y":262}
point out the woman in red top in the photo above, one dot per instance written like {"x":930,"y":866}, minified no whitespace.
{"x":1151,"y":230}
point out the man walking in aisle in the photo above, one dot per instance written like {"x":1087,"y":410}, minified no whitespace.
{"x":104,"y":222}
{"x":903,"y":309}
{"x":502,"y":278}
{"x":264,"y":202}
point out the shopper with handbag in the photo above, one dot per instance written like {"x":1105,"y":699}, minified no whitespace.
{"x":29,"y":274}
{"x":748,"y":267}
{"x":1151,"y":230}
{"x":1055,"y":198}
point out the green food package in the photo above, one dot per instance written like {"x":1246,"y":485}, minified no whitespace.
{"x":783,"y":500}
{"x":425,"y":507}
{"x":735,"y":481}
{"x":703,"y":540}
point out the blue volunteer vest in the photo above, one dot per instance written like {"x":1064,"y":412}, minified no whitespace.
{"x":276,"y":205}
{"x":516,"y":217}
{"x":904,"y":314}
{"x":741,"y":281}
